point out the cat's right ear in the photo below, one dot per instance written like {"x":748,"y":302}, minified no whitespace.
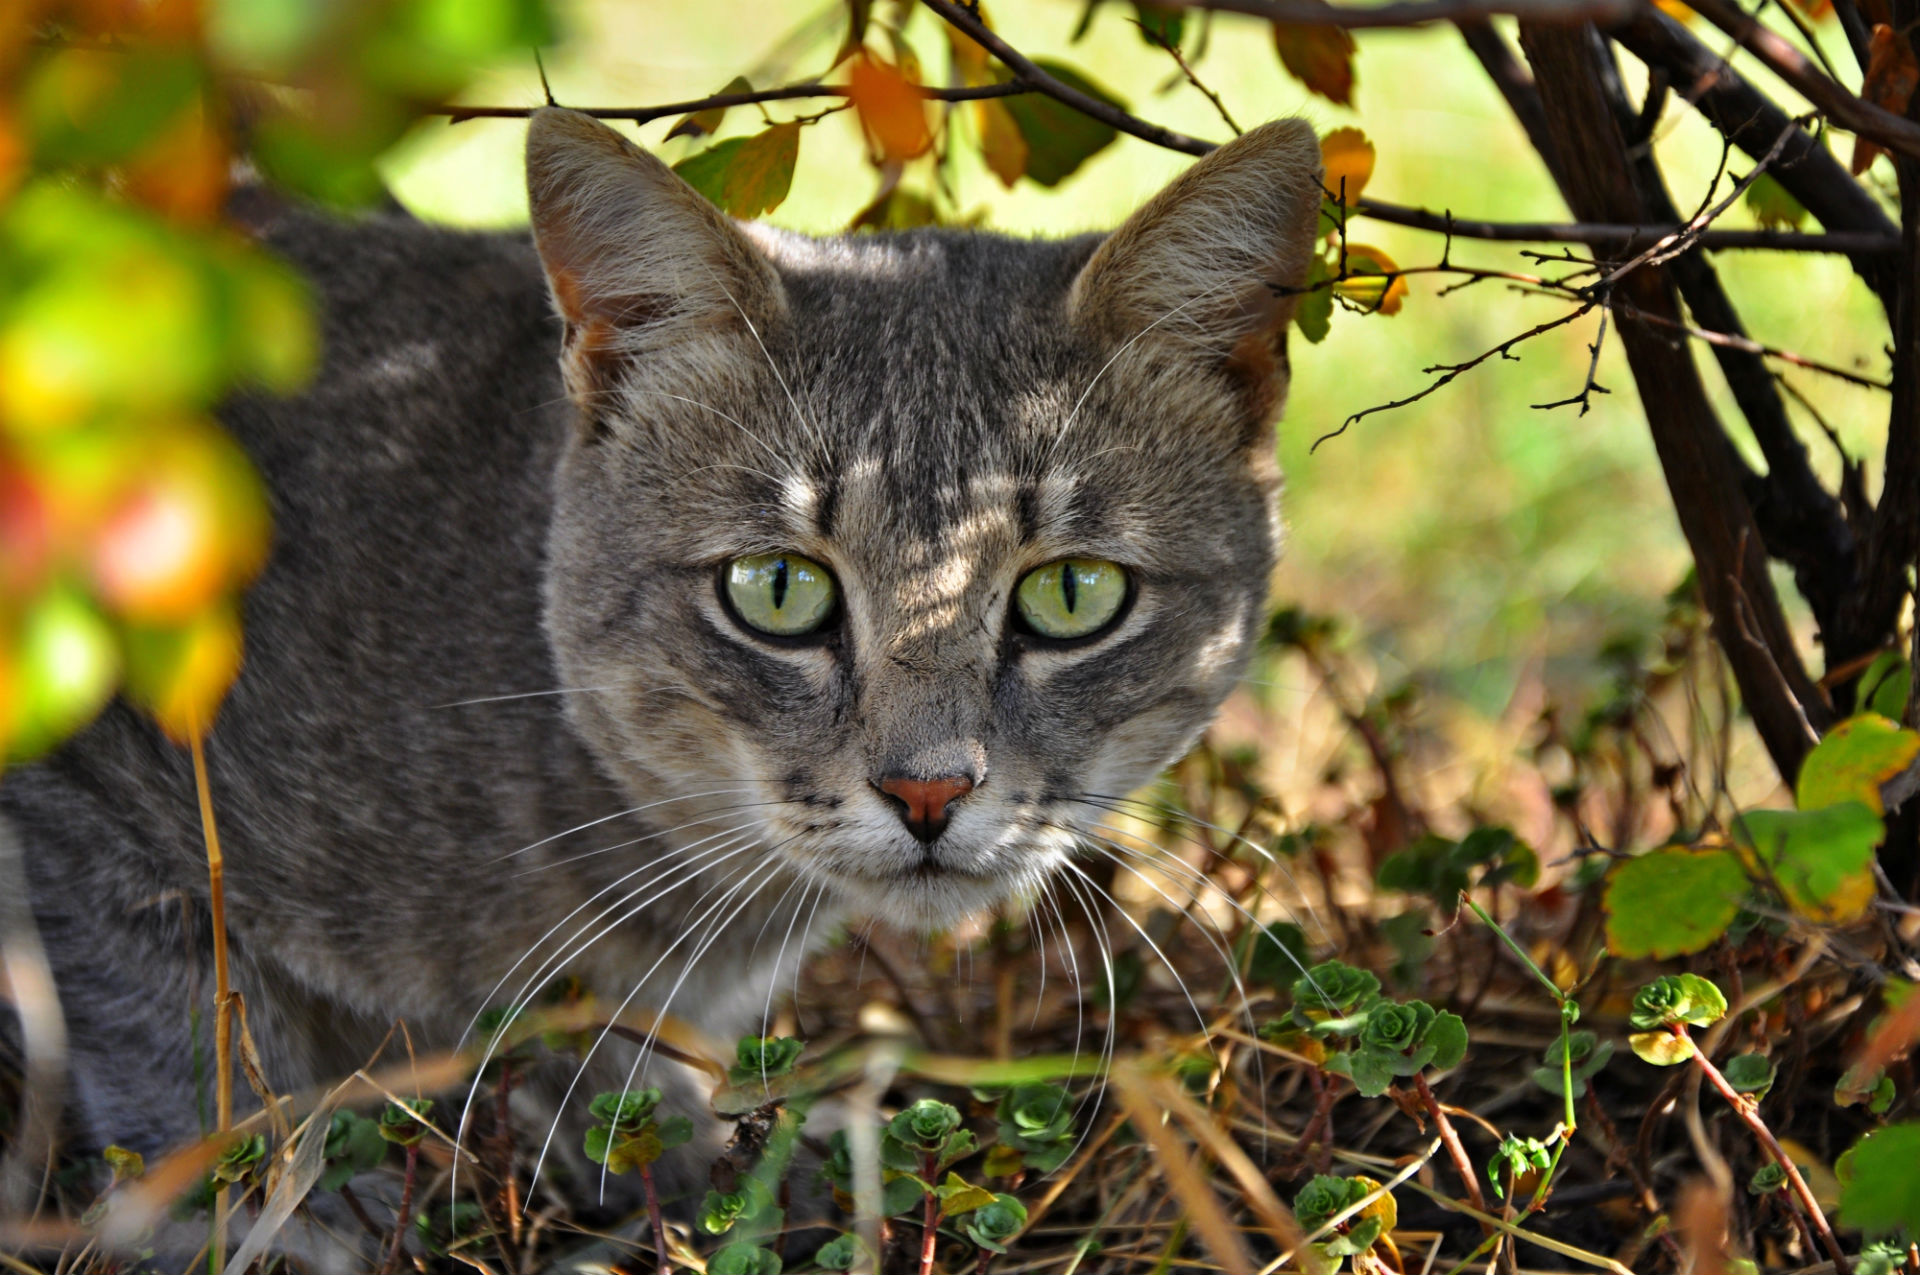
{"x":642,"y":268}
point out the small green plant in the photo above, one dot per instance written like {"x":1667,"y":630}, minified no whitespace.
{"x":1577,"y":1057}
{"x":762,"y":1073}
{"x":354,"y":1145}
{"x":1326,"y":1197}
{"x":627,"y":1136}
{"x":1036,"y":1127}
{"x":1520,"y":1159}
{"x":1767,"y":1179}
{"x":840,"y":1253}
{"x":721,"y":1211}
{"x":1442,"y":868}
{"x":1750,"y":1074}
{"x":744,"y":1259}
{"x":993,"y":1225}
{"x":241,"y":1161}
{"x":404,"y":1123}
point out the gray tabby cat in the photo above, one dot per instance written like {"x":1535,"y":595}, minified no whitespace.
{"x":819,"y":579}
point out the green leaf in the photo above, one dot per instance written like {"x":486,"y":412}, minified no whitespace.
{"x":624,"y":1110}
{"x":404,"y":1123}
{"x":745,"y":176}
{"x":996,"y":1222}
{"x":1279,"y":954}
{"x":1448,"y":1037}
{"x":743,"y":1259}
{"x":1370,"y":1071}
{"x":1749,"y":1073}
{"x":1851,"y":763}
{"x":1673,"y":901}
{"x":1772,"y":205}
{"x":1060,"y":139}
{"x":1886,"y":685}
{"x":96,"y":106}
{"x":1160,"y":24}
{"x":1675,"y":999}
{"x":1821,"y":859}
{"x":839,"y":1253}
{"x":900,"y":1194}
{"x":354,"y":1145}
{"x":1879,"y":1190}
{"x":1314,"y":316}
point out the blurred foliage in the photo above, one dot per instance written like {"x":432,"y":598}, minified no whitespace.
{"x":129,"y":521}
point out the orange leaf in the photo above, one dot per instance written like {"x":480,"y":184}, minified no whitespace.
{"x":1675,"y":9}
{"x":1001,"y":142}
{"x":1892,"y":75}
{"x":183,"y":174}
{"x":1320,"y":57}
{"x":891,"y":108}
{"x":180,"y":675}
{"x":1363,"y":285}
{"x":1348,"y":157}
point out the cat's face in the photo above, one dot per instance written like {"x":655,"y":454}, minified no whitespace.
{"x":904,"y":557}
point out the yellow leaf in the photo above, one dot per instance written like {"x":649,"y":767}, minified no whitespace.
{"x":1366,"y":284}
{"x":180,"y":675}
{"x":1348,"y":158}
{"x":1001,"y":143}
{"x":891,"y":108}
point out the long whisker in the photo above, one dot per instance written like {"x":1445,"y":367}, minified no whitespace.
{"x":620,"y":814}
{"x":765,"y":446}
{"x":1206,"y":1035}
{"x":818,"y":438}
{"x":731,"y":809}
{"x":498,"y":699}
{"x":1103,"y":941}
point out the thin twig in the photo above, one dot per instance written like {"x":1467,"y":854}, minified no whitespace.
{"x":1414,"y":13}
{"x":719,"y":101}
{"x":1626,"y":234}
{"x":222,"y":988}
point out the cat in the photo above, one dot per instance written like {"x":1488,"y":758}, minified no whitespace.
{"x":816,"y":579}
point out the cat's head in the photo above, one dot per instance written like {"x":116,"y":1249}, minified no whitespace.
{"x":902,"y":557}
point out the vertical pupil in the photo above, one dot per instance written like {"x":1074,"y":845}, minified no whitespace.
{"x":779,"y":584}
{"x":1068,"y":585}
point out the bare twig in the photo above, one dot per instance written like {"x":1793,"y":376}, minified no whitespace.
{"x":1414,"y":13}
{"x":645,"y":114}
{"x":1609,"y":234}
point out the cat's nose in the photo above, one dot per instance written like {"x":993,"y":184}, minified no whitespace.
{"x":923,"y":803}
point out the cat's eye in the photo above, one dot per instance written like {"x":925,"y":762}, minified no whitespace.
{"x":1072,"y":598}
{"x":783,"y":594}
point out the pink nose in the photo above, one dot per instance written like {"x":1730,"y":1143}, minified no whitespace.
{"x":923,"y":802}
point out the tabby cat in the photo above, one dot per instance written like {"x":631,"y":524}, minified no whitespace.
{"x":818,"y":578}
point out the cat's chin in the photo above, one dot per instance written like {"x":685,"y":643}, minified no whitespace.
{"x":928,"y":897}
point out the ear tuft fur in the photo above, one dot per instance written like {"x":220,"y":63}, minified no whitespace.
{"x":638,"y":262}
{"x":1195,"y":270}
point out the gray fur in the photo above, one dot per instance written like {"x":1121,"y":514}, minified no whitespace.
{"x":931,"y":414}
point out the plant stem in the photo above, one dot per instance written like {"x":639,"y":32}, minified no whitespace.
{"x":1749,"y":1113}
{"x":222,"y":990}
{"x":1458,"y":1153}
{"x":930,"y":1165}
{"x":653,"y":1216}
{"x":405,"y":1218}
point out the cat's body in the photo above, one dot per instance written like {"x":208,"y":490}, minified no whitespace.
{"x":935,"y":417}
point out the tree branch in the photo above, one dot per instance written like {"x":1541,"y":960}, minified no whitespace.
{"x":1745,"y":117}
{"x":1625,"y":235}
{"x":1414,"y":13}
{"x":1831,"y":99}
{"x":645,"y":114}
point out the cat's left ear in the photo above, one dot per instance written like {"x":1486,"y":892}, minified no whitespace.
{"x":1209,"y":268}
{"x":643,"y":270}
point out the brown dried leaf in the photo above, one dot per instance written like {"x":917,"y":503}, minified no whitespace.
{"x":1892,"y":75}
{"x":1001,"y":143}
{"x":1320,"y":57}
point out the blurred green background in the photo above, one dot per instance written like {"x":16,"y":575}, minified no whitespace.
{"x":1469,"y":536}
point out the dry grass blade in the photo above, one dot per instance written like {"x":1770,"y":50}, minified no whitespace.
{"x":1136,"y":1092}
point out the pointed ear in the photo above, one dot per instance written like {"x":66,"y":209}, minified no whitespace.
{"x":639,"y":263}
{"x":1195,"y":272}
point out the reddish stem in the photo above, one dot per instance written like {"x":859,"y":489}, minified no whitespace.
{"x":1749,"y":1113}
{"x":653,"y":1216}
{"x":1448,"y":1136}
{"x":406,"y":1210}
{"x":929,"y":1164}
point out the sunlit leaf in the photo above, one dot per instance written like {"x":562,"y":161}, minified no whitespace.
{"x":1851,"y":763}
{"x":66,"y":665}
{"x":1373,"y":281}
{"x":330,"y":157}
{"x":746,"y":176}
{"x":1059,"y":138}
{"x":1821,"y":859}
{"x":1001,"y":143}
{"x":1347,"y":157}
{"x":890,"y":108}
{"x":190,"y":526}
{"x":179,"y":675}
{"x":1661,"y":1048}
{"x":1672,"y":901}
{"x":1772,"y":205}
{"x":1885,"y":686}
{"x":1319,"y":56}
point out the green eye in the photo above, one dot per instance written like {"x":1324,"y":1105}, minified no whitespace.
{"x":1072,"y":598}
{"x":780,"y":593}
